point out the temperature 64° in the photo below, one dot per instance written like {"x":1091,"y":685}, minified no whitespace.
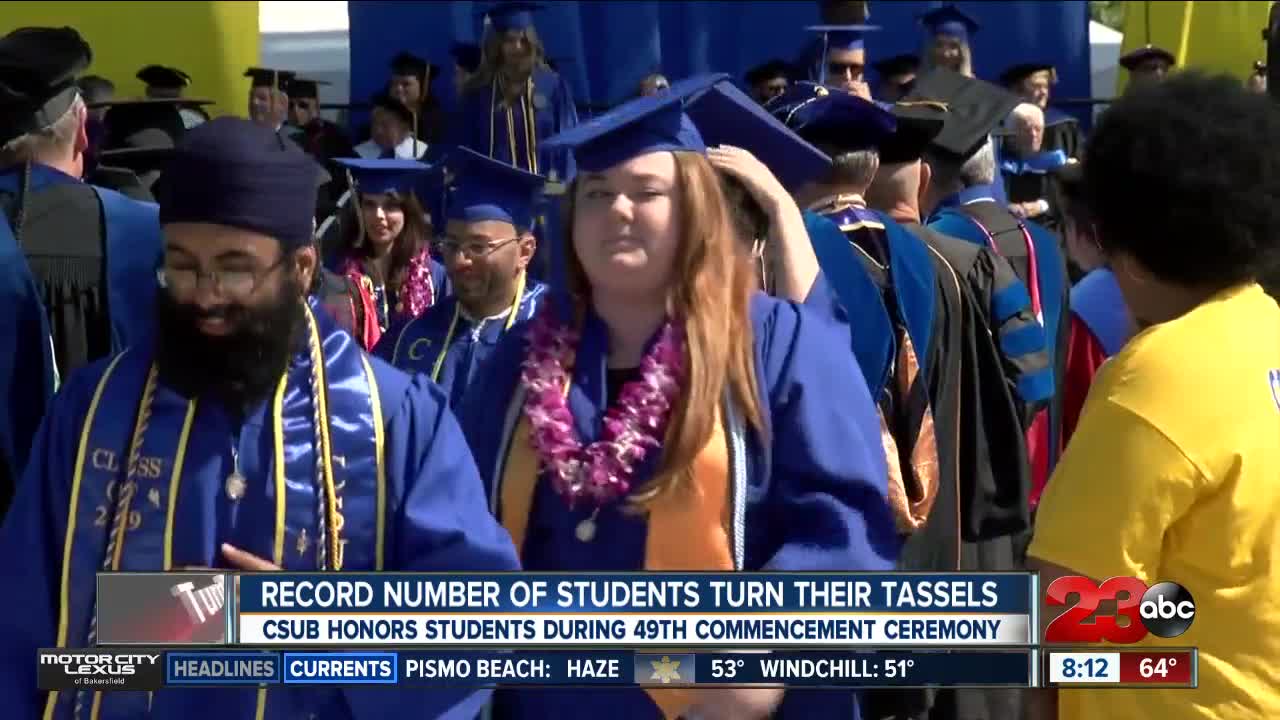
{"x":1149,"y":666}
{"x":898,"y":668}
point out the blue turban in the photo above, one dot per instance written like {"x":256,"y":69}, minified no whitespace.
{"x":230,"y":171}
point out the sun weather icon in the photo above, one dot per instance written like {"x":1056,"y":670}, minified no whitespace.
{"x":665,"y":670}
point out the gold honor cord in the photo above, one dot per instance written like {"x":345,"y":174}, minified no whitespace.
{"x":530,"y":126}
{"x":453,"y":326}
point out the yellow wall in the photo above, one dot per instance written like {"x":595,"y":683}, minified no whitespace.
{"x":1216,"y":36}
{"x":213,"y":42}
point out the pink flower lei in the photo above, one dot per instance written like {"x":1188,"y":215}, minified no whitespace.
{"x":602,"y":471}
{"x":417,"y":291}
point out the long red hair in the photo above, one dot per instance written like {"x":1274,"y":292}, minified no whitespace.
{"x":711,"y":292}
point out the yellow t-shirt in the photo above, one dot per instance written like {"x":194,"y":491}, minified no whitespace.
{"x":1174,"y":474}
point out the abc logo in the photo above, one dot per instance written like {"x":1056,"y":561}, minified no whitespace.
{"x":1167,"y":609}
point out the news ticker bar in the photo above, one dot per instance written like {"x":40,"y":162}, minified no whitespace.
{"x":152,"y":669}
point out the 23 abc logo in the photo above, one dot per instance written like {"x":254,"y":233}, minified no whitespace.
{"x":1165,"y":610}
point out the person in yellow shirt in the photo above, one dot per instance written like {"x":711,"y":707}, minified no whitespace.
{"x":1173,"y":473}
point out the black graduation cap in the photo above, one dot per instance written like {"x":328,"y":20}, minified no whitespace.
{"x":1017,"y":73}
{"x":774,"y":68}
{"x":1134,"y":58}
{"x":168,"y":78}
{"x":950,"y":21}
{"x":38,"y":69}
{"x":394,"y":106}
{"x":975,"y":108}
{"x":917,"y":124}
{"x":266,"y":77}
{"x":303,"y":88}
{"x":152,"y":123}
{"x":467,"y":55}
{"x":406,"y":63}
{"x":897,"y":65}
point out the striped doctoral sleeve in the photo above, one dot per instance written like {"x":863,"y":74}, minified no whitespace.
{"x":1024,"y":351}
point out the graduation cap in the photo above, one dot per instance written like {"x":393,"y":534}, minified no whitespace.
{"x":139,"y":160}
{"x":774,"y":68}
{"x":839,"y":37}
{"x":724,"y":115}
{"x":38,"y":69}
{"x":482,"y":188}
{"x":836,"y":121}
{"x":266,"y":77}
{"x":406,"y":63}
{"x":844,"y":12}
{"x":1016,"y":74}
{"x":975,"y":108}
{"x":378,"y":176}
{"x":638,"y":126}
{"x":897,"y":65}
{"x":138,"y":124}
{"x":1134,"y":58}
{"x":302,"y":88}
{"x":467,"y":56}
{"x":950,"y":21}
{"x":395,"y":107}
{"x":165,"y":78}
{"x":512,"y":15}
{"x":918,"y":123}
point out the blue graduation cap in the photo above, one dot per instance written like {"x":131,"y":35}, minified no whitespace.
{"x":724,"y":115}
{"x":839,"y":37}
{"x":638,"y":126}
{"x":512,"y":15}
{"x":950,"y":21}
{"x":486,"y":189}
{"x":835,"y":121}
{"x":376,"y":176}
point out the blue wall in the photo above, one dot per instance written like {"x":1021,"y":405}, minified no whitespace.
{"x":613,"y":44}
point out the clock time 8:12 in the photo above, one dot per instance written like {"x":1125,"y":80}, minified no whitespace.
{"x":1090,"y":668}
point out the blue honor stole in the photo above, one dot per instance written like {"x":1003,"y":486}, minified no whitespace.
{"x":130,"y":469}
{"x":913,"y":283}
{"x":1039,"y":164}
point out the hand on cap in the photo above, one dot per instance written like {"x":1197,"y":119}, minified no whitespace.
{"x":754,"y":175}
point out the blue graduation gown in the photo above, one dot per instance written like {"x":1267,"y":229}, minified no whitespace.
{"x":1097,"y":301}
{"x":416,"y":506}
{"x":489,"y":127}
{"x":28,"y":371}
{"x":815,"y":492}
{"x":449,"y":347}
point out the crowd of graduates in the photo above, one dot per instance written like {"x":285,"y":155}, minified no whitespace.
{"x":788,"y":324}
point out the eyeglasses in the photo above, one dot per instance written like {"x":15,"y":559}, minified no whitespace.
{"x":471,"y":249}
{"x":226,"y":283}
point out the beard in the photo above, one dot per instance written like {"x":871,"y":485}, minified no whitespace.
{"x":240,"y":368}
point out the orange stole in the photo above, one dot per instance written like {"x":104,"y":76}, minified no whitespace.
{"x":688,"y":529}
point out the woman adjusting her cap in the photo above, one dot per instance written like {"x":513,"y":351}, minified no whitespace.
{"x":668,"y":416}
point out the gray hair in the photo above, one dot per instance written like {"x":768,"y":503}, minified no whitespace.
{"x":980,"y":168}
{"x":1028,"y":113}
{"x":855,"y":169}
{"x":38,"y":144}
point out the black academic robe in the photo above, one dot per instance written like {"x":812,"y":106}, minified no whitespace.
{"x":889,"y":287}
{"x":984,"y":446}
{"x":63,"y":237}
{"x":122,"y":180}
{"x":1062,"y":132}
